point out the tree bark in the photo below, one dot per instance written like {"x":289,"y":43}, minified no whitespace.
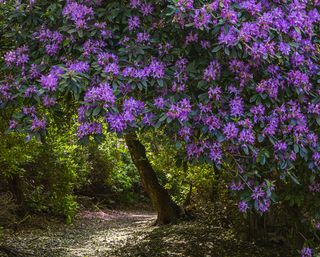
{"x":16,"y":188}
{"x":168,"y":211}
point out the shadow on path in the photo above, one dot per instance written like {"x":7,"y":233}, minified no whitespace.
{"x":130,"y":233}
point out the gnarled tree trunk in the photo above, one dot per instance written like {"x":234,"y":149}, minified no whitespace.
{"x":168,"y":211}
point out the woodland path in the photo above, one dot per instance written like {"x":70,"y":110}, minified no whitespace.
{"x":128,"y":233}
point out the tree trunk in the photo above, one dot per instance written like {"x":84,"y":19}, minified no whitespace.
{"x":16,"y":188}
{"x":168,"y":211}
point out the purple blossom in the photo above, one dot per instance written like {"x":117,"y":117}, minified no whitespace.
{"x":236,"y":186}
{"x":259,"y":50}
{"x":257,"y":193}
{"x":102,"y":93}
{"x":29,"y":111}
{"x":159,"y":102}
{"x":299,"y":80}
{"x":146,"y":9}
{"x":284,"y":48}
{"x":133,"y":23}
{"x":214,"y":93}
{"x":116,"y":122}
{"x":82,"y":112}
{"x":5,"y":93}
{"x":93,"y":47}
{"x":185,"y":5}
{"x":180,"y":110}
{"x":213,"y":122}
{"x":271,"y":127}
{"x":249,"y":31}
{"x":270,"y":86}
{"x":89,"y":128}
{"x":52,"y":40}
{"x":49,"y":101}
{"x":194,"y":150}
{"x":143,"y":37}
{"x":191,"y":38}
{"x":264,"y":205}
{"x":258,"y":112}
{"x":18,"y":57}
{"x":316,"y":158}
{"x":107,"y":58}
{"x":236,"y":107}
{"x":78,"y":13}
{"x":280,"y":146}
{"x":79,"y":66}
{"x":212,"y":71}
{"x":202,"y":18}
{"x":13,"y":124}
{"x":10,"y":57}
{"x":156,"y":69}
{"x":314,"y":187}
{"x":185,"y":133}
{"x":247,"y":136}
{"x":243,"y":206}
{"x":229,"y":15}
{"x":215,"y":153}
{"x":229,"y":38}
{"x":49,"y":82}
{"x":133,"y":106}
{"x":230,"y":131}
{"x":205,"y":44}
{"x":112,"y":68}
{"x":34,"y":71}
{"x":135,"y":3}
{"x":306,"y":252}
{"x":251,"y":6}
{"x":38,"y":124}
{"x":30,"y":91}
{"x":148,"y":119}
{"x":297,"y":59}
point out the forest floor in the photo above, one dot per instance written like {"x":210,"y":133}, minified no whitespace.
{"x":127,"y":233}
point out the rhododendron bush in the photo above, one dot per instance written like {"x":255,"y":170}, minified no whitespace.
{"x":234,"y":83}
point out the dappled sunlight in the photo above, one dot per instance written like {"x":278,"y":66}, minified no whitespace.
{"x":106,"y":233}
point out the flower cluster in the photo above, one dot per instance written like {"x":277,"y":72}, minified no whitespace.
{"x":50,"y":81}
{"x":51,"y":39}
{"x":80,"y":14}
{"x":102,"y":93}
{"x":18,"y":57}
{"x":88,"y":128}
{"x":180,"y":110}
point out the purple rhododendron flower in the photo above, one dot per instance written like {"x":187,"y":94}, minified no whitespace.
{"x":49,"y":82}
{"x":78,"y":13}
{"x":180,"y":110}
{"x":88,"y":128}
{"x":38,"y":124}
{"x":134,"y":22}
{"x":306,"y":252}
{"x":243,"y":206}
{"x":102,"y":93}
{"x":230,"y":131}
{"x":212,"y":71}
{"x":79,"y":66}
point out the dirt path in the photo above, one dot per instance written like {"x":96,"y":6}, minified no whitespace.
{"x":130,"y":233}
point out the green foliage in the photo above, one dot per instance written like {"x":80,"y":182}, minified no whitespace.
{"x":59,"y":167}
{"x":177,"y":175}
{"x":50,"y":171}
{"x":15,"y":151}
{"x":113,"y":168}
